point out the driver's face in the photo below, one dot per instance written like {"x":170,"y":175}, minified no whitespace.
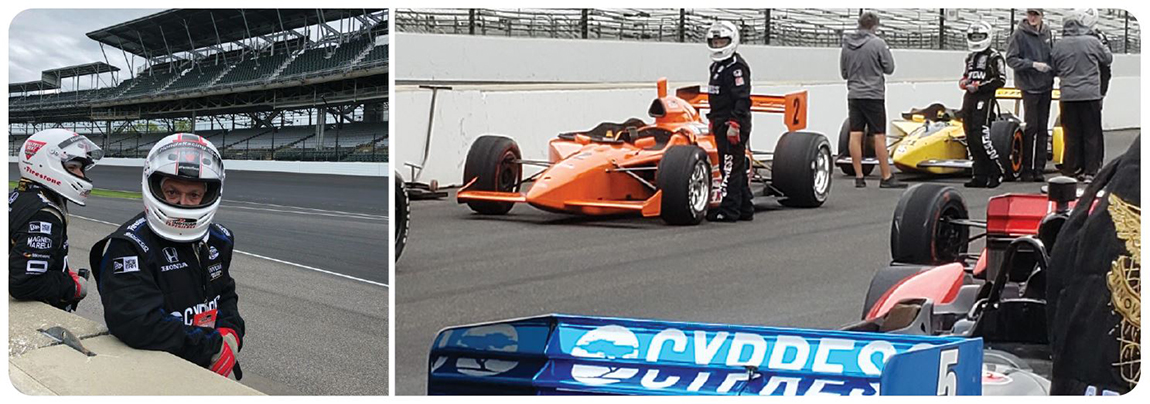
{"x":183,"y":193}
{"x":716,"y":43}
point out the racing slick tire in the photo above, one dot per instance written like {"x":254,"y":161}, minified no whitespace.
{"x":402,"y":214}
{"x":884,"y":279}
{"x":493,"y":163}
{"x":1006,"y":136}
{"x":801,"y":170}
{"x":684,"y":177}
{"x":919,"y":233}
{"x":844,"y":150}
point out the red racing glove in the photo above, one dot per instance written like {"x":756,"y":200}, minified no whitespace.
{"x":963,"y":82}
{"x":733,"y":132}
{"x":81,"y":286}
{"x":225,"y":360}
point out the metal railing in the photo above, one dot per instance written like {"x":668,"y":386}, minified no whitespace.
{"x":923,"y":28}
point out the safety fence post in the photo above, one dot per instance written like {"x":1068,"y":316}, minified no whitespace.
{"x":767,"y":30}
{"x":471,"y":21}
{"x":682,"y":25}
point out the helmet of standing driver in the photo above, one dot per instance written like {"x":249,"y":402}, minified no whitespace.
{"x":978,"y":36}
{"x":47,"y":156}
{"x":1087,"y":16}
{"x":722,"y":39}
{"x":188,"y":160}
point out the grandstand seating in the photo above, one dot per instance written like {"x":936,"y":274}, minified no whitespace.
{"x":325,"y":58}
{"x":253,"y":69}
{"x":150,"y":83}
{"x":376,"y":55}
{"x":198,"y":76}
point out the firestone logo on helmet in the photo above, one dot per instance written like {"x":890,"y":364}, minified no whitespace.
{"x":31,"y":147}
{"x":41,"y":176}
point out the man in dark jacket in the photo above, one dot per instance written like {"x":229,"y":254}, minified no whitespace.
{"x":1094,"y":288}
{"x":1028,"y":53}
{"x":985,"y":73}
{"x":1076,"y":58}
{"x":863,"y":63}
{"x":729,"y":95}
{"x":53,"y":165}
{"x":165,"y":276}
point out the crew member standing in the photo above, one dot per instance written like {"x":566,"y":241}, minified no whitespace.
{"x":1076,"y":58}
{"x":53,"y":166}
{"x":863,"y":62}
{"x":1028,"y":54}
{"x":165,"y":277}
{"x":729,"y":95}
{"x":985,"y":73}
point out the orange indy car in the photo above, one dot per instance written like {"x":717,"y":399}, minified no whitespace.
{"x":667,"y":168}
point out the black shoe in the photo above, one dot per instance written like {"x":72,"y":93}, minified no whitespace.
{"x":976,"y":182}
{"x":1036,"y":176}
{"x":1087,"y":178}
{"x":747,"y":217}
{"x":993,"y":182}
{"x":860,"y":183}
{"x":722,"y":217}
{"x":891,"y":182}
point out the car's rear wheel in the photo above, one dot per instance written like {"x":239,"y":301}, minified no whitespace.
{"x":493,"y":163}
{"x":844,"y":150}
{"x":921,"y":231}
{"x":402,"y":214}
{"x":801,"y":169}
{"x":684,"y":177}
{"x":1006,"y":135}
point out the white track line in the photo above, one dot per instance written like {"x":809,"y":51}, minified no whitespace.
{"x":339,"y":215}
{"x":269,"y":259}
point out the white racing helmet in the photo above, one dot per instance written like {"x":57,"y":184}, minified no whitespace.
{"x":978,"y":36}
{"x":722,"y":39}
{"x":1087,"y":16}
{"x":46,"y":156}
{"x":187,"y":157}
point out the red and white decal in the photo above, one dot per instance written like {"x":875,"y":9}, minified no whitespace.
{"x":31,"y":147}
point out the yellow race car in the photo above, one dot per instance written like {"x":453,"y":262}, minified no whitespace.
{"x":932,"y":140}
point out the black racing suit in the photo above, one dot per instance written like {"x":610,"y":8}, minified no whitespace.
{"x":730,"y":100}
{"x":988,"y":69}
{"x":38,"y":246}
{"x":1093,"y":288}
{"x":155,"y":290}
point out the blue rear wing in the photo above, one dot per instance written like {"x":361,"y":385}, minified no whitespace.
{"x":565,"y":354}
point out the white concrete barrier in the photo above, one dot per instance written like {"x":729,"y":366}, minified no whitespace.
{"x":562,"y":90}
{"x":39,"y":365}
{"x":298,"y":167}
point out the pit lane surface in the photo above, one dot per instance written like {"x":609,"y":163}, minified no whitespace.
{"x":789,"y":267}
{"x":309,"y":332}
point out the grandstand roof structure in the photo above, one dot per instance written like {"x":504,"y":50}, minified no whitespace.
{"x":81,"y":70}
{"x":182,"y":30}
{"x":29,"y":86}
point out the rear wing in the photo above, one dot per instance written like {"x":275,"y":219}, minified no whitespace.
{"x":565,"y":354}
{"x":1012,"y":93}
{"x":793,"y":106}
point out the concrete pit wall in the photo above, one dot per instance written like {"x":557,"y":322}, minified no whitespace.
{"x":532,"y":89}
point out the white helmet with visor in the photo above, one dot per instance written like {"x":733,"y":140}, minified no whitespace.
{"x":183,"y":182}
{"x":52,"y":158}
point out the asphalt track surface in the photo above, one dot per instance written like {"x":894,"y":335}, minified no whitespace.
{"x":312,"y":287}
{"x":789,"y":267}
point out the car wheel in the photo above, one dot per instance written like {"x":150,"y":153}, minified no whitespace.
{"x":801,"y":169}
{"x":884,"y":279}
{"x":844,"y":150}
{"x":1006,"y":135}
{"x":493,"y":163}
{"x":920,"y":233}
{"x":684,"y":176}
{"x":402,"y":214}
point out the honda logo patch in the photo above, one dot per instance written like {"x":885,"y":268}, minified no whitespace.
{"x":170,"y":255}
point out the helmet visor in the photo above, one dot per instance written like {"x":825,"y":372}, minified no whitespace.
{"x":718,"y":42}
{"x":976,"y":36}
{"x":79,"y":150}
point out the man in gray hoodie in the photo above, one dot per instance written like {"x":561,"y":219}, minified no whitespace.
{"x":864,"y":61}
{"x":1076,"y":60}
{"x":1028,"y":54}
